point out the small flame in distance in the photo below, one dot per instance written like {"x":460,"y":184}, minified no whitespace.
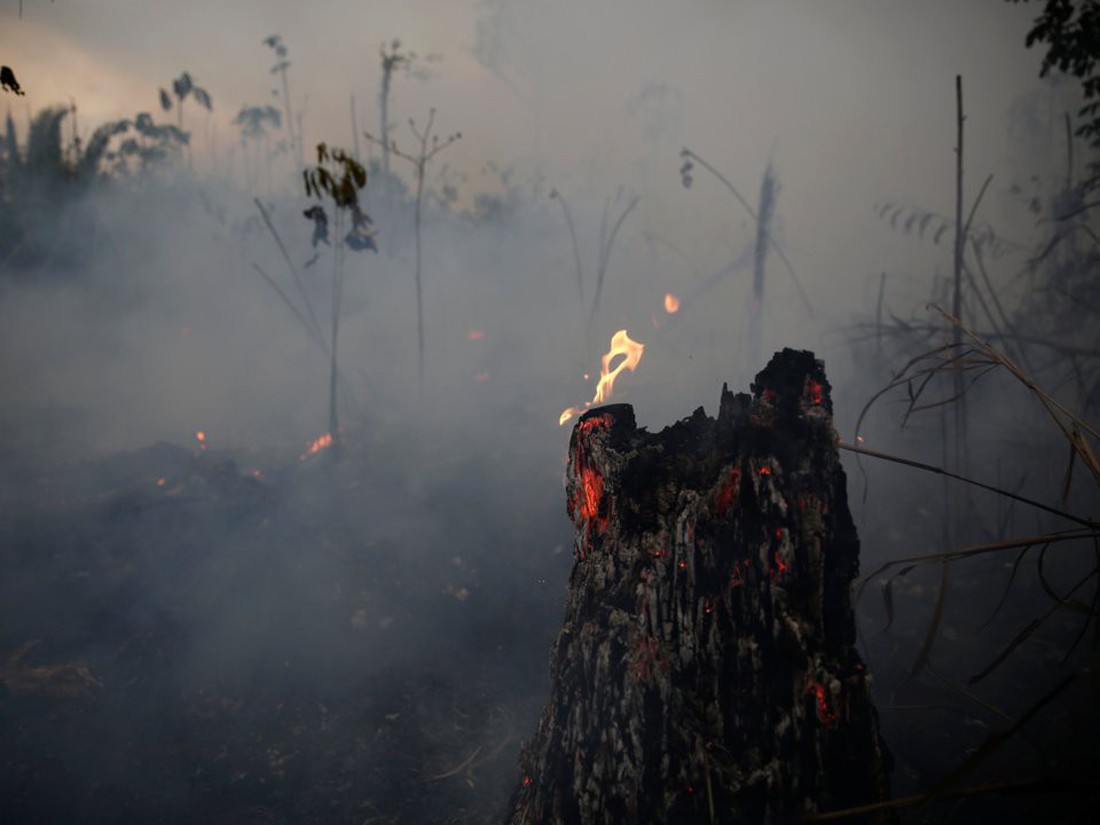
{"x":322,"y":442}
{"x":621,"y":344}
{"x":672,"y":303}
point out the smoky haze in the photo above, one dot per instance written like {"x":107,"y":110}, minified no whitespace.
{"x":853,"y":105}
{"x":409,"y":593}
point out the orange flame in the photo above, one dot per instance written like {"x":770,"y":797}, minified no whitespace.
{"x":568,"y":413}
{"x":322,"y":442}
{"x":621,"y":344}
{"x":632,"y":356}
{"x":200,"y":437}
{"x":672,"y":303}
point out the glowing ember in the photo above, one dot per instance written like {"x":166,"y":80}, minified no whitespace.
{"x":631,"y":352}
{"x":318,"y":444}
{"x":597,"y":422}
{"x":592,"y":491}
{"x":588,"y":490}
{"x":200,"y":437}
{"x":672,"y":303}
{"x":584,"y":506}
{"x":828,"y":707}
{"x":161,"y":481}
{"x":475,"y":335}
{"x":728,"y":492}
{"x":815,"y":393}
{"x":780,"y":568}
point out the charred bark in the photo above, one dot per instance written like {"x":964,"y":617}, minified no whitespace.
{"x":706,"y":670}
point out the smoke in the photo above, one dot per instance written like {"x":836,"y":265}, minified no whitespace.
{"x":409,"y":592}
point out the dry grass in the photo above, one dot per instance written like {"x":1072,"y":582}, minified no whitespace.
{"x":974,"y":357}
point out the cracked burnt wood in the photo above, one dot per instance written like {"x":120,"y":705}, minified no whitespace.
{"x":706,"y":670}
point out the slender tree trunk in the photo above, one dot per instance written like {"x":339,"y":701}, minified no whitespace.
{"x":956,"y":302}
{"x":959,"y":379}
{"x":419,"y":283}
{"x":337,"y":290}
{"x":384,"y":128}
{"x":295,"y":139}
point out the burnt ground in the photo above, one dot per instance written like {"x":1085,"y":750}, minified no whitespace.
{"x":183,"y":639}
{"x":366,"y":640}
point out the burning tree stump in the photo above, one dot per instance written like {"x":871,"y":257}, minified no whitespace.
{"x":707,"y":671}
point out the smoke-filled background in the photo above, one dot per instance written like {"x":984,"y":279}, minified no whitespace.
{"x":202,"y":620}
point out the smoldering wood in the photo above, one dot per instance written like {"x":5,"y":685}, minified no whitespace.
{"x":706,"y":670}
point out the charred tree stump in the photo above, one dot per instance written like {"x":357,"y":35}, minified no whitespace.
{"x":706,"y":671}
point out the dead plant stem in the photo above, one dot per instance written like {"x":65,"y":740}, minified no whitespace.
{"x":931,"y":468}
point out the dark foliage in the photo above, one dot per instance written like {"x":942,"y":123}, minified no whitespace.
{"x":1071,"y":33}
{"x":8,"y":82}
{"x":319,"y":217}
{"x":252,"y":120}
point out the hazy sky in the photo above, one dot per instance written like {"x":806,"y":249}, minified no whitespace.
{"x":859,"y":83}
{"x":853,"y":100}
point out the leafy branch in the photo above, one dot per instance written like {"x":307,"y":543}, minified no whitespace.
{"x":339,"y":177}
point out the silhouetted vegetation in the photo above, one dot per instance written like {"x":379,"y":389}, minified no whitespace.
{"x":1070,"y":31}
{"x":338,"y":177}
{"x":8,"y":82}
{"x":183,"y":87}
